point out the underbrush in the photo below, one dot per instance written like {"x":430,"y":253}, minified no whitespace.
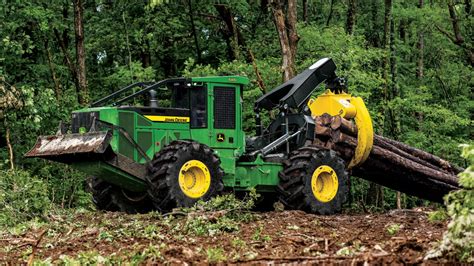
{"x":458,"y":240}
{"x":22,"y":197}
{"x":25,"y":196}
{"x":220,"y":214}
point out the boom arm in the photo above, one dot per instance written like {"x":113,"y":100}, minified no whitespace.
{"x":295,"y":92}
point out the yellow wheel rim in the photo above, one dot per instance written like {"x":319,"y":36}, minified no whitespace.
{"x":194,"y":179}
{"x":324,"y":183}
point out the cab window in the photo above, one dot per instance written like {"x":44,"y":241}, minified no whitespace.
{"x":198,"y":107}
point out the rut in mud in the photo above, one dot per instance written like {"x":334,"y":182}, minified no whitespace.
{"x":402,"y":236}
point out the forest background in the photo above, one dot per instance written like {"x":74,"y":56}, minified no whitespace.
{"x":411,"y":61}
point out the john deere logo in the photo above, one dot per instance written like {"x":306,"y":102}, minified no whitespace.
{"x":220,"y":137}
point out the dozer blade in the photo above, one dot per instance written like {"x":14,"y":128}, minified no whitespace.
{"x":71,"y":147}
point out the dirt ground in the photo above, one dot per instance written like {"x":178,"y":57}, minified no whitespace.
{"x":396,"y":237}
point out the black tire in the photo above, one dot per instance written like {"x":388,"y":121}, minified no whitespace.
{"x":295,"y":181}
{"x":108,"y":197}
{"x":164,"y":169}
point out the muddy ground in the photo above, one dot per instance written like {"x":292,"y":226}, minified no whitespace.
{"x":396,"y":237}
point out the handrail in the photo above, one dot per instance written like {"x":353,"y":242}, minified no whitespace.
{"x":148,"y":88}
{"x":113,"y":95}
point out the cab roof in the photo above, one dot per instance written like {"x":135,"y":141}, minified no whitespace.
{"x":223,"y":79}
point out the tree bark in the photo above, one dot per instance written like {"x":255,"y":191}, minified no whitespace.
{"x":399,"y":200}
{"x":331,"y":10}
{"x":287,"y":35}
{"x":9,"y":144}
{"x":67,"y":57}
{"x":232,"y":33}
{"x":235,"y":37}
{"x":127,"y":43}
{"x":386,"y":43}
{"x":305,"y":11}
{"x":457,"y":39}
{"x":387,"y":20}
{"x":374,"y":37}
{"x":394,"y":90}
{"x":57,"y":85}
{"x":351,"y":16}
{"x":390,"y":163}
{"x":193,"y":28}
{"x":421,"y":48}
{"x":260,"y":82}
{"x":467,"y":7}
{"x":82,"y":93}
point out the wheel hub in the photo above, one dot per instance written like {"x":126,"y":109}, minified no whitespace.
{"x":324,"y":183}
{"x":194,"y":179}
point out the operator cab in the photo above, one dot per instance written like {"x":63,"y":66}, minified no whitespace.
{"x":205,"y":109}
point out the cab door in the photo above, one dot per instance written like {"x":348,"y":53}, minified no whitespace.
{"x":200,"y":127}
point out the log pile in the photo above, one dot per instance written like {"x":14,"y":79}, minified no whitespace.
{"x":391,"y":163}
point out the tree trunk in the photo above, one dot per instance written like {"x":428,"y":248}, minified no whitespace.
{"x":127,"y":43}
{"x":421,"y":48}
{"x":292,"y":18}
{"x":386,"y":43}
{"x":468,"y":7}
{"x":399,"y":200}
{"x":374,"y":38}
{"x":237,"y":41}
{"x":67,"y":57}
{"x":305,"y":11}
{"x":57,"y":85}
{"x":145,"y":55}
{"x":9,"y":144}
{"x":457,"y":39}
{"x":80,"y":52}
{"x":331,"y":10}
{"x":193,"y":31}
{"x":351,"y":16}
{"x":287,"y":35}
{"x":232,"y":34}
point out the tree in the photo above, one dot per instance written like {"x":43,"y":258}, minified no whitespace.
{"x":81,"y":87}
{"x":457,"y":37}
{"x":351,"y":16}
{"x":421,"y":47}
{"x":287,"y":34}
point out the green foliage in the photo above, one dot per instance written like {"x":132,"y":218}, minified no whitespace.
{"x":22,"y":197}
{"x":220,"y":214}
{"x":258,"y":236}
{"x":393,"y":229}
{"x":129,"y":41}
{"x":125,"y":75}
{"x":215,"y":255}
{"x":438,"y":215}
{"x":459,"y":238}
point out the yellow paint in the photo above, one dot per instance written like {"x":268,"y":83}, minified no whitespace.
{"x":168,"y":119}
{"x":324,"y":183}
{"x":332,"y":104}
{"x":194,"y":179}
{"x":365,"y":136}
{"x":348,"y":107}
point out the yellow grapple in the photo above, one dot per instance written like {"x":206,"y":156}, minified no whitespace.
{"x":348,"y":107}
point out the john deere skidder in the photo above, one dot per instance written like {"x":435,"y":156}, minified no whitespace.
{"x":187,"y":144}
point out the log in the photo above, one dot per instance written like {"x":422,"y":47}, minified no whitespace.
{"x":390,"y":163}
{"x":397,"y":160}
{"x":423,"y":155}
{"x":349,"y":128}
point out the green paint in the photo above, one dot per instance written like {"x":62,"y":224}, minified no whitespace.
{"x":111,"y":174}
{"x":228,"y":143}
